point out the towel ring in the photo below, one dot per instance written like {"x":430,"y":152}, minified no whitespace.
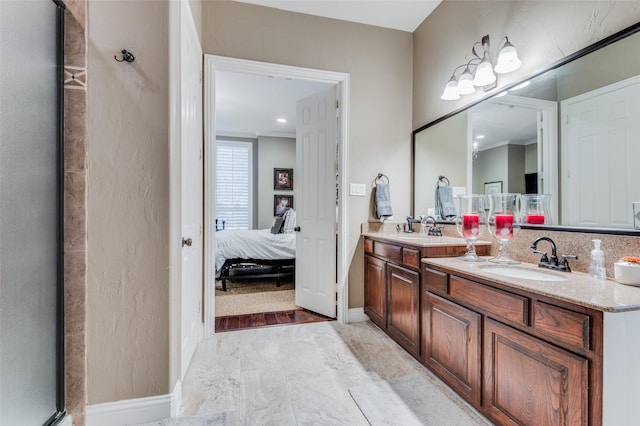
{"x":379,"y":177}
{"x":442,"y":179}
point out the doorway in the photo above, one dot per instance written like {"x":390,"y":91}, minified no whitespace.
{"x":216,"y":63}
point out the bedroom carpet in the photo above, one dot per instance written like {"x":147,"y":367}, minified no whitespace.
{"x":251,"y":297}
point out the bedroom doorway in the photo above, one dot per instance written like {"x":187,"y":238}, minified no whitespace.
{"x":274,"y":71}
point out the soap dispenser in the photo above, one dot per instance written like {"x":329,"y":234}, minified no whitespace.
{"x":596,"y":267}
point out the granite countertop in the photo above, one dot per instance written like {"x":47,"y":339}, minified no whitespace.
{"x":415,"y":239}
{"x":577,"y":287}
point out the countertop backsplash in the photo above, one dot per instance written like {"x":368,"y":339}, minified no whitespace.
{"x":576,"y":243}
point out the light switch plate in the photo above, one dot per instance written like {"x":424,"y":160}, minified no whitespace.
{"x":459,"y":190}
{"x":358,"y":189}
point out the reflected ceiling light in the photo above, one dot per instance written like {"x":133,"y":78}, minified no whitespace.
{"x":281,"y":120}
{"x":483,"y":75}
{"x":479,"y":136}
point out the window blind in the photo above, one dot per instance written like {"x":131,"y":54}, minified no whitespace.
{"x":233,"y":184}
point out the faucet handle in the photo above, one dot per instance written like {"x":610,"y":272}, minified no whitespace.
{"x":564,"y":265}
{"x":544,"y":259}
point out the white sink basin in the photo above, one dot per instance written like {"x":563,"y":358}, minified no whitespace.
{"x":416,"y":237}
{"x":522,"y":273}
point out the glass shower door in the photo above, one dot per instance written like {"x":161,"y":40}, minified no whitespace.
{"x":29,"y":212}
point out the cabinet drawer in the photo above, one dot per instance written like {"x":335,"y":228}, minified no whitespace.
{"x":368,"y":245}
{"x":570,"y":329}
{"x":498,"y":303}
{"x":434,"y":280}
{"x":388,"y":251}
{"x":411,"y":258}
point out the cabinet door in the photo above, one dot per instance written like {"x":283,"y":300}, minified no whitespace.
{"x":403,"y":307}
{"x":375,"y":290}
{"x":451,"y":337}
{"x":528,"y":381}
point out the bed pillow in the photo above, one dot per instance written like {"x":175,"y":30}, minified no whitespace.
{"x":276,"y":228}
{"x":289,"y":221}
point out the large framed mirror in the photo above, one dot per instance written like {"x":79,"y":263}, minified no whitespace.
{"x":572,"y":131}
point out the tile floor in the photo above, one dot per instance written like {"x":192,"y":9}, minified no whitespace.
{"x":294,"y":375}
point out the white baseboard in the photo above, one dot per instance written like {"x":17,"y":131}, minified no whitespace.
{"x":135,"y":411}
{"x":357,"y":315}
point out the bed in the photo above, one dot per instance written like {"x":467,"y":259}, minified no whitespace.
{"x":239,"y":250}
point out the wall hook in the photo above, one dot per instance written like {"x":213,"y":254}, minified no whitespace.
{"x":126,"y":56}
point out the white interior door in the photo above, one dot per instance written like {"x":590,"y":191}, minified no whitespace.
{"x":315,"y":193}
{"x":191,"y":186}
{"x":600,"y":172}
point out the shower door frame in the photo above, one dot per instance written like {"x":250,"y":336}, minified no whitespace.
{"x":60,"y":409}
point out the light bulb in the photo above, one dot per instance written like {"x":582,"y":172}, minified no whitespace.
{"x":507,"y":59}
{"x":451,"y":90}
{"x":465,"y":83}
{"x":484,"y":74}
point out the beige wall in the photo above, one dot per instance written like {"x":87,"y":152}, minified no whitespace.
{"x":196,"y":12}
{"x":128,"y":202}
{"x":542,"y":31}
{"x":380,"y":64}
{"x":272,"y":153}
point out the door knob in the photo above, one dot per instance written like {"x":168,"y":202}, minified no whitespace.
{"x":297,"y":229}
{"x":187,"y":242}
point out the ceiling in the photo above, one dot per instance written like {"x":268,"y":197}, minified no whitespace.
{"x":248,"y":105}
{"x":502,"y":123}
{"x":404,"y":15}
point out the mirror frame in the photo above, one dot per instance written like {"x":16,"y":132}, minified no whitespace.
{"x":633,"y":29}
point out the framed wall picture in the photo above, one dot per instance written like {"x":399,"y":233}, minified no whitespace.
{"x":283,"y":179}
{"x":281,"y":203}
{"x":493,"y":187}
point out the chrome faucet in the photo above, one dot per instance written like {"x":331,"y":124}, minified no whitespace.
{"x":434,"y":231}
{"x":552,"y":262}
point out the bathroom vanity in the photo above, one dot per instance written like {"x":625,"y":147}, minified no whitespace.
{"x":393,"y":280}
{"x":538,"y":347}
{"x":523,"y":345}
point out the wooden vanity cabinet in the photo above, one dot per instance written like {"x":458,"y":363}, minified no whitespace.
{"x":518,"y":357}
{"x":375,"y":290}
{"x":403,"y":307}
{"x":451,"y":344}
{"x":392,"y":291}
{"x":528,"y":381}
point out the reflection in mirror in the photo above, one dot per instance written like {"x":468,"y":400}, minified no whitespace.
{"x":514,"y":141}
{"x":573,"y":132}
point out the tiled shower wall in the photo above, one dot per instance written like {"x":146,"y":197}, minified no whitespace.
{"x":75,"y":207}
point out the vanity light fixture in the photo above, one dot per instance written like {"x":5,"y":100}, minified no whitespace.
{"x":474,"y":150}
{"x":483,"y":75}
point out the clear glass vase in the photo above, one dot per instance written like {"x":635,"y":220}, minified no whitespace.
{"x":503,"y":223}
{"x":471,"y":222}
{"x":534,"y":209}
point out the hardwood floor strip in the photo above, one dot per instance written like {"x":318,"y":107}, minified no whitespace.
{"x":243,"y":322}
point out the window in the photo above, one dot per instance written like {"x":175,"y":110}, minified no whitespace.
{"x":233,"y":184}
